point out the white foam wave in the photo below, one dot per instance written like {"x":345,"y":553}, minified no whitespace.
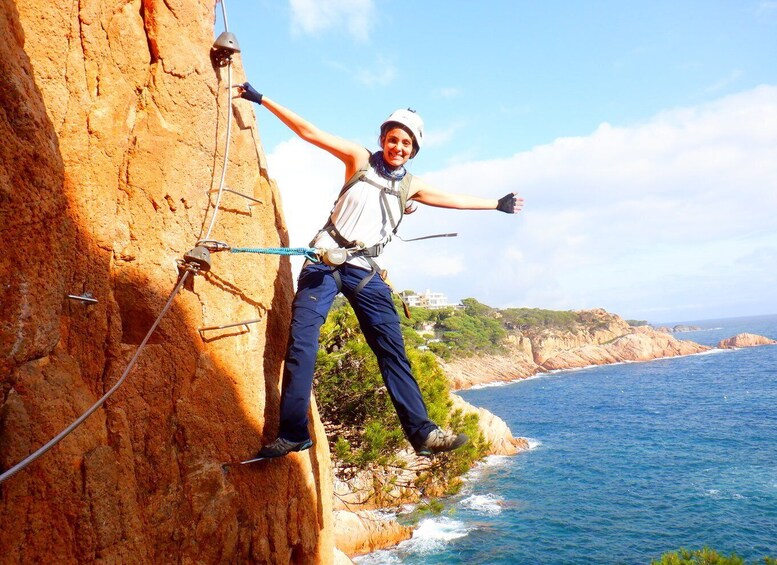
{"x":432,"y":534}
{"x":484,"y":503}
{"x":382,"y":557}
{"x":484,"y":466}
{"x":575,"y":369}
{"x":721,"y":495}
{"x":492,"y":385}
{"x":495,"y":460}
{"x":713,"y":351}
{"x":533,"y":443}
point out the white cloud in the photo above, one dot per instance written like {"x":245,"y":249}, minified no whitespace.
{"x":309,"y":180}
{"x":381,"y":74}
{"x":440,"y":137}
{"x":313,"y":17}
{"x":674,"y":216}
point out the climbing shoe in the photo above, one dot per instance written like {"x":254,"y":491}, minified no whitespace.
{"x":281,"y":447}
{"x":440,"y":440}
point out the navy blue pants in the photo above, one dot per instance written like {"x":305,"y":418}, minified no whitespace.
{"x":379,"y":322}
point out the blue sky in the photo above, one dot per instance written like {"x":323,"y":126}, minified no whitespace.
{"x":643,"y":137}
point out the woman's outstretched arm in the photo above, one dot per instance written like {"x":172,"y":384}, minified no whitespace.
{"x":424,"y":193}
{"x":351,"y":154}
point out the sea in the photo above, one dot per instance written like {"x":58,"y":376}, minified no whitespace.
{"x":627,"y":462}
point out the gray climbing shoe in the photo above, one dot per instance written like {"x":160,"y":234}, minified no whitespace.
{"x":440,"y":440}
{"x":281,"y":447}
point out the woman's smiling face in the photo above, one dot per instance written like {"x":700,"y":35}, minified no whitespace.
{"x":397,"y":147}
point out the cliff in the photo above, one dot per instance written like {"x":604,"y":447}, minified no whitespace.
{"x":388,"y":487}
{"x":359,"y":529}
{"x":605,"y":338}
{"x":112,"y":135}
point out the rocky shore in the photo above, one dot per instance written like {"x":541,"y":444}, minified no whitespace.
{"x":608,"y":340}
{"x":745,"y":340}
{"x":358,"y":524}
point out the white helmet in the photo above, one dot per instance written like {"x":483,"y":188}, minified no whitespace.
{"x":412,"y":121}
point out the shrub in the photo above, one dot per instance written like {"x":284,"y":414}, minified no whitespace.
{"x":362,"y":426}
{"x":704,"y":556}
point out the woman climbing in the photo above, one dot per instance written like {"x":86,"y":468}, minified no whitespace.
{"x":378,"y":190}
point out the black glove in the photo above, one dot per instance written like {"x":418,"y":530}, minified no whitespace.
{"x":250,"y":93}
{"x":507,"y":203}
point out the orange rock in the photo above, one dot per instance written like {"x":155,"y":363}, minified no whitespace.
{"x":111,"y":136}
{"x":493,"y":428}
{"x":745,"y":340}
{"x":357,"y":533}
{"x":605,"y":339}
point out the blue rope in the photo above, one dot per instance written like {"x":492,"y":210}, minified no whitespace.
{"x":308,"y":252}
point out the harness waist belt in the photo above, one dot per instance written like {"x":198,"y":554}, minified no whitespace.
{"x":353,"y":247}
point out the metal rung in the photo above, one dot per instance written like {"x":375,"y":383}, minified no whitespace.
{"x":251,"y":198}
{"x":225,"y":326}
{"x":86,"y":297}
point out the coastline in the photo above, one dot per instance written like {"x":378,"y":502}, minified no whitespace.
{"x":536,"y":352}
{"x":633,"y":345}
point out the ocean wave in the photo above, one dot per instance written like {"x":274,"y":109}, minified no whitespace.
{"x":713,"y":351}
{"x":381,"y":557}
{"x":533,"y":443}
{"x":483,"y":503}
{"x":495,"y":460}
{"x":432,"y":534}
{"x":576,"y":369}
{"x":720,"y":495}
{"x":484,"y":466}
{"x":493,"y":384}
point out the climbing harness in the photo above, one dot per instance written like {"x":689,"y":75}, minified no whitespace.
{"x":198,"y":261}
{"x":358,"y":248}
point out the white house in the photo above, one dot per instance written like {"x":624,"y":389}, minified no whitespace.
{"x":428,"y":299}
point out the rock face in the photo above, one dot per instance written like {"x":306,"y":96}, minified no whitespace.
{"x":605,"y":339}
{"x":745,"y":340}
{"x":112,"y":133}
{"x":357,"y":533}
{"x":398,"y":481}
{"x":494,"y":429}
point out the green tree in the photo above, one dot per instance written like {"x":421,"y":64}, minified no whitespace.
{"x":362,"y":426}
